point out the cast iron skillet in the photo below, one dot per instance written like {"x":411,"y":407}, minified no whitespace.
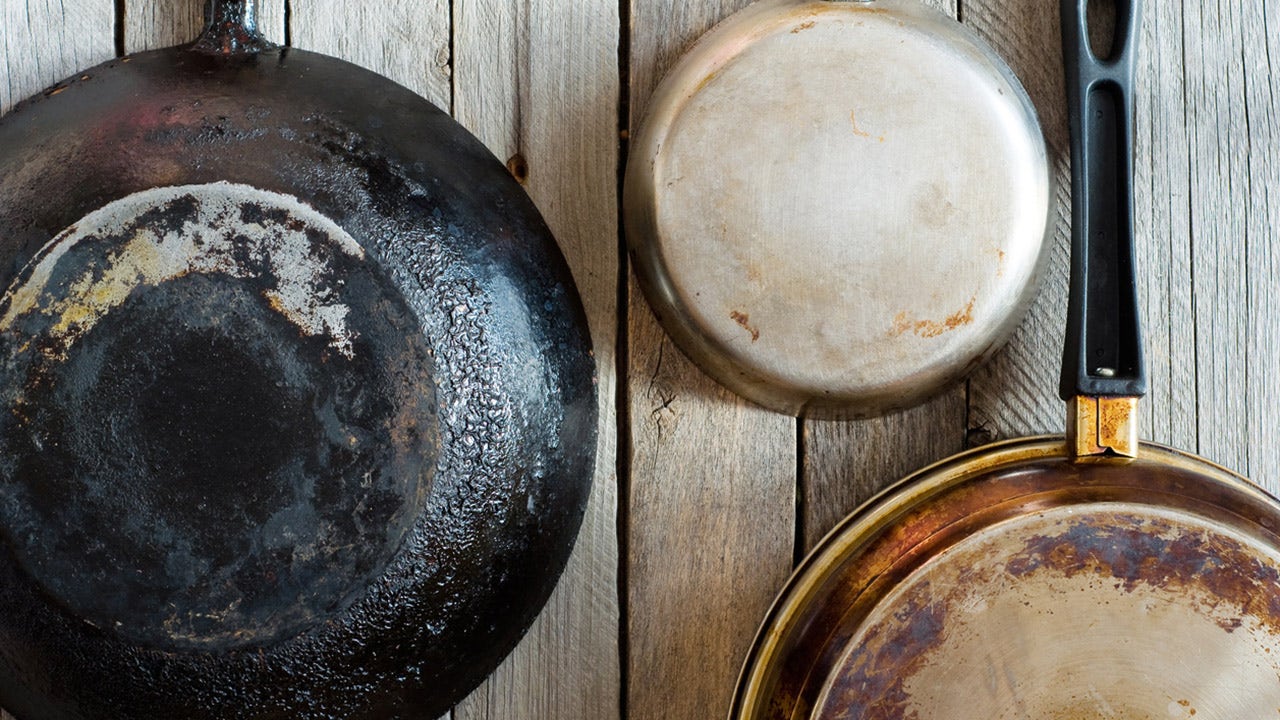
{"x":1090,"y":576}
{"x":298,"y":404}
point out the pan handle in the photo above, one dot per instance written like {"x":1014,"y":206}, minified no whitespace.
{"x":1103,"y":355}
{"x":231,"y":28}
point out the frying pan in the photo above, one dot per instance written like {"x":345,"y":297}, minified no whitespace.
{"x":1089,"y":576}
{"x":837,"y":209}
{"x":298,"y":403}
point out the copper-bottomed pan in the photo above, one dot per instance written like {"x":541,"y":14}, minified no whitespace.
{"x":1086,"y":576}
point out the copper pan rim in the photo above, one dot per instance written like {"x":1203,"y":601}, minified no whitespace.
{"x":858,"y":569}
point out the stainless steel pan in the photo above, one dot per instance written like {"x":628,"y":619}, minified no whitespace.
{"x":838,"y":208}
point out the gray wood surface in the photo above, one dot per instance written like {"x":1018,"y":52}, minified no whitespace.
{"x":526,"y":80}
{"x":703,"y":502}
{"x":710,"y":523}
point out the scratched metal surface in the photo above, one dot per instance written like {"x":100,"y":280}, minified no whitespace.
{"x":711,"y":501}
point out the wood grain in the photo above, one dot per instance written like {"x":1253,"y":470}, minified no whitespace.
{"x":710,"y":522}
{"x":1016,"y":394}
{"x":405,"y":40}
{"x":845,"y":463}
{"x":1218,"y":148}
{"x":44,"y":41}
{"x":536,"y":81}
{"x":1163,"y":242}
{"x":1260,"y":37}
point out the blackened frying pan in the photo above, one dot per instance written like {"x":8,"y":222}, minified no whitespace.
{"x":298,"y":414}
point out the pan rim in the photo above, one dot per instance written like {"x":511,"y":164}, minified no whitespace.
{"x":883,"y":512}
{"x":767,"y":378}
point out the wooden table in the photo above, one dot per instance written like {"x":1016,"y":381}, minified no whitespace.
{"x":703,"y":503}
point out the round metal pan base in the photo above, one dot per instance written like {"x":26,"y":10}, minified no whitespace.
{"x":1016,"y":584}
{"x":838,"y":208}
{"x":297,"y":403}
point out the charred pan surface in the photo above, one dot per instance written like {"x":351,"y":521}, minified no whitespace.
{"x":221,"y":422}
{"x":458,"y":275}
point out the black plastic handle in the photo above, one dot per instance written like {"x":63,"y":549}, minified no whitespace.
{"x":231,"y":28}
{"x":1103,"y":354}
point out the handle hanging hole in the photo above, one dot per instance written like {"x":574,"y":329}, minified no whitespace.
{"x":1100,"y":17}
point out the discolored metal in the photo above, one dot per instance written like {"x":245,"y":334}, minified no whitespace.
{"x":838,"y":208}
{"x":297,"y":405}
{"x":1102,"y":427}
{"x":216,"y":371}
{"x":1013,"y":582}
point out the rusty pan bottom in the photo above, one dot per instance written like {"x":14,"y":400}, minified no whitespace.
{"x":1012,"y":583}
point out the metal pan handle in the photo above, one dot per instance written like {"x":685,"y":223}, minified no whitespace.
{"x":1103,"y":356}
{"x":231,"y":28}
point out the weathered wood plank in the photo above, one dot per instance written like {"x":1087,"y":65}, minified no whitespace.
{"x":1260,"y":41}
{"x":151,"y":24}
{"x":1016,"y":393}
{"x":710,"y":529}
{"x":845,"y":463}
{"x":406,"y":40}
{"x":710,"y":522}
{"x":1218,"y":134}
{"x":1162,"y":187}
{"x":44,"y":41}
{"x":538,"y":84}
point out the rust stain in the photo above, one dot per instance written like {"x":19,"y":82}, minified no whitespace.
{"x":802,"y":27}
{"x":1115,"y":417}
{"x":518,"y":167}
{"x":924,"y":531}
{"x":902,"y":322}
{"x":853,"y":120}
{"x":744,"y":320}
{"x":706,"y":81}
{"x":873,"y":685}
{"x":1129,"y":550}
{"x":1156,"y":554}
